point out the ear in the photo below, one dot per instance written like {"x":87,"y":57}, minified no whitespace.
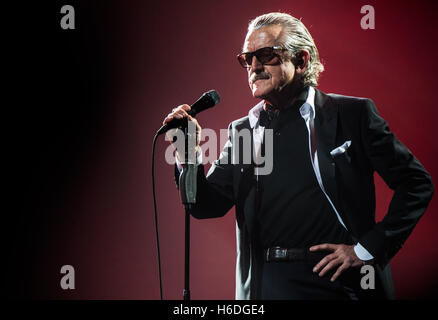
{"x":301,"y":61}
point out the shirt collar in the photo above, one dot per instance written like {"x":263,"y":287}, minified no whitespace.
{"x":307,"y":109}
{"x":254,"y":114}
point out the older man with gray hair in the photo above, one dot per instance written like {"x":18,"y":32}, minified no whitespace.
{"x":305,"y":229}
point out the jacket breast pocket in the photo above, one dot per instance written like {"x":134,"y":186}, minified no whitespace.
{"x":341,"y":155}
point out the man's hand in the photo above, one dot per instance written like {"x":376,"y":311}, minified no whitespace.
{"x":180,"y":112}
{"x":342,"y":258}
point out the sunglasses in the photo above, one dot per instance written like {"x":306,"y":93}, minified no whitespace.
{"x":264,"y":56}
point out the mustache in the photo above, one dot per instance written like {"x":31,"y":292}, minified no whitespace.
{"x":259,"y":76}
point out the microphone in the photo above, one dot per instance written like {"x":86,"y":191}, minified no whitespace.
{"x":208,"y":100}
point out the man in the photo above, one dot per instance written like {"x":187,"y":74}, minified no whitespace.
{"x":305,"y":229}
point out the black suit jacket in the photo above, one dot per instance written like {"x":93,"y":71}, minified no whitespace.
{"x":348,"y":180}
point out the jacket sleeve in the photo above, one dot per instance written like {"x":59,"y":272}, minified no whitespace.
{"x":404,"y":174}
{"x":215,"y":195}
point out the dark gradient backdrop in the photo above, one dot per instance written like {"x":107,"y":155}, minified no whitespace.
{"x":88,"y":101}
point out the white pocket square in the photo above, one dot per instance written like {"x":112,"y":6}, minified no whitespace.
{"x":341,"y":149}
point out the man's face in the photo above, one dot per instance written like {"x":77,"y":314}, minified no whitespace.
{"x":268,"y":81}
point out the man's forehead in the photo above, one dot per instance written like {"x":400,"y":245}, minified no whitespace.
{"x":263,"y":37}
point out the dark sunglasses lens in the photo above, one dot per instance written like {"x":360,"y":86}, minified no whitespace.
{"x":243,"y":57}
{"x":265,"y":55}
{"x":248,"y":58}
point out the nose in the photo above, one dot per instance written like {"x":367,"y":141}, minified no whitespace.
{"x":256,"y":65}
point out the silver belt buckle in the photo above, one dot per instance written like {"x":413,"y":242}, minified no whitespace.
{"x":280,"y":253}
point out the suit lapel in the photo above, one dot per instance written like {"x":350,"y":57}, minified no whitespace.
{"x":325,"y":130}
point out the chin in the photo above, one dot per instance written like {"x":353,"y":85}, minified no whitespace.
{"x":260,"y":93}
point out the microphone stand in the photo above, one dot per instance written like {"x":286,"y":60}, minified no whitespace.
{"x":188,"y":190}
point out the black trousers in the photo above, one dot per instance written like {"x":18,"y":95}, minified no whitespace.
{"x":296,"y":281}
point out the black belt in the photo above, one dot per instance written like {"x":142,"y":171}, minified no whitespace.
{"x":278,"y":254}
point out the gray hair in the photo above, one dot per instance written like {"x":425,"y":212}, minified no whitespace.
{"x":295,"y":38}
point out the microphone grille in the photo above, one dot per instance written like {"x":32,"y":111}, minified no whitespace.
{"x":213,"y":95}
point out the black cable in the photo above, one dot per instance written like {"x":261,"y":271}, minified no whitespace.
{"x":156,"y":216}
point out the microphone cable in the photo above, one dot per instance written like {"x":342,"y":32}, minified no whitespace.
{"x":155,"y":214}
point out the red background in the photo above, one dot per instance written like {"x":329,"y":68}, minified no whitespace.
{"x":140,"y":61}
